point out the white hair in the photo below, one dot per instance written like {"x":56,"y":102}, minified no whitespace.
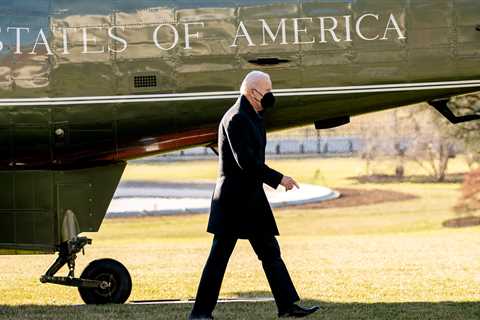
{"x":252,"y":80}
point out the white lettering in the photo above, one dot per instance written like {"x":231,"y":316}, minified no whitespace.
{"x":116,"y":38}
{"x":44,"y":42}
{"x":323,"y":29}
{"x":19,"y":41}
{"x":395,"y":27}
{"x":103,"y":39}
{"x":188,"y":35}
{"x":94,"y":40}
{"x":348,"y":31}
{"x":273,"y":37}
{"x":244,"y":34}
{"x":297,"y":30}
{"x":175,"y":37}
{"x":359,"y":23}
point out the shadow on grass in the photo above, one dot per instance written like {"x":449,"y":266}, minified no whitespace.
{"x":257,"y":310}
{"x":384,"y":178}
{"x":462,"y":222}
{"x":356,"y":197}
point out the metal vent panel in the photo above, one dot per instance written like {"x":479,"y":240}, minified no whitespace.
{"x":145,"y":81}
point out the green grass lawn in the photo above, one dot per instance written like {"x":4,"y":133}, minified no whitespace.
{"x":384,"y":261}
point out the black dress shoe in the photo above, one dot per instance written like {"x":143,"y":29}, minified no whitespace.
{"x":297,"y":311}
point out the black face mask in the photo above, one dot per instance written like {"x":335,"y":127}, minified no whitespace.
{"x":268,"y":101}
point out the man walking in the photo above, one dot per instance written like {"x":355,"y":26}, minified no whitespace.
{"x":239,"y":208}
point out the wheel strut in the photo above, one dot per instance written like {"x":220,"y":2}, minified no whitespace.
{"x":67,"y":255}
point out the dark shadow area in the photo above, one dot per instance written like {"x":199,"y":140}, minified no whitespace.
{"x":357,"y":197}
{"x":444,"y":310}
{"x":385,"y":178}
{"x":463,"y":222}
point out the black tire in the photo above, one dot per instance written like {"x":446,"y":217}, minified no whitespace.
{"x":107,"y":270}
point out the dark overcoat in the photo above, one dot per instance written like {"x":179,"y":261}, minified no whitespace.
{"x":239,"y":206}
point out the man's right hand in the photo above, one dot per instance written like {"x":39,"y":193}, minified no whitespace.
{"x":289,"y":183}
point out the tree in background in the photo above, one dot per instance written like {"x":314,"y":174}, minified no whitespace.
{"x":417,"y":133}
{"x":414,"y":133}
{"x":470,"y":199}
{"x":470,"y":133}
{"x":383,"y":136}
{"x":433,"y":141}
{"x":399,"y":146}
{"x":371,"y":149}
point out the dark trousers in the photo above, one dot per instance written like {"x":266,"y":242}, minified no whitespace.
{"x":268,"y":252}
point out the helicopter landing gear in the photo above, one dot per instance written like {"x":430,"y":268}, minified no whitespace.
{"x":103,"y":281}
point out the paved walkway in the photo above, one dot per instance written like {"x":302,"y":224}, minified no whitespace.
{"x":167,"y":198}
